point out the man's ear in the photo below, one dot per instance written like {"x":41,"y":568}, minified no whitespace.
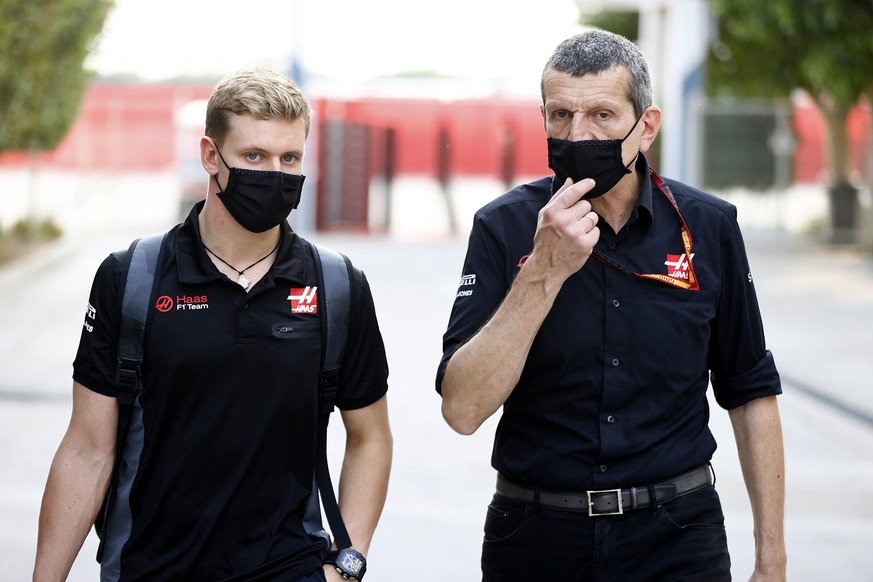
{"x":209,"y":156}
{"x":651,"y":121}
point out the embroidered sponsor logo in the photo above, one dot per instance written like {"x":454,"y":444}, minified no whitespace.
{"x":678,"y":265}
{"x":164,"y":303}
{"x":304,"y":300}
{"x":90,"y":313}
{"x":182,"y":302}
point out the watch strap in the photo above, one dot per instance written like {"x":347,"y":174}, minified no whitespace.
{"x":351,"y":564}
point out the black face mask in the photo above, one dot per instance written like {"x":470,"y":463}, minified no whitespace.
{"x":259,"y":200}
{"x":598,"y":159}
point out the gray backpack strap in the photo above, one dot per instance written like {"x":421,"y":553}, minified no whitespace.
{"x":337,"y":293}
{"x":140,"y":265}
{"x":335,"y":301}
{"x":134,"y":308}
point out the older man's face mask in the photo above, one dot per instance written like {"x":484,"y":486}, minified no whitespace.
{"x":598,"y":159}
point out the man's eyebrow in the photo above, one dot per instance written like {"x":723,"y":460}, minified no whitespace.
{"x":261,"y":149}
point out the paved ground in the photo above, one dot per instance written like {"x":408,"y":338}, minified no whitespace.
{"x":818,"y":309}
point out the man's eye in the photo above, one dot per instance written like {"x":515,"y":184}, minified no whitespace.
{"x":289,"y":159}
{"x":252,"y":157}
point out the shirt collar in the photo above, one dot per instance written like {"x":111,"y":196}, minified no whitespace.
{"x":644,"y":201}
{"x":195,"y":266}
{"x":643,"y":208}
{"x":641,"y":214}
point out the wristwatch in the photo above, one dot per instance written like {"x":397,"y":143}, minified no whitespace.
{"x":351,"y":564}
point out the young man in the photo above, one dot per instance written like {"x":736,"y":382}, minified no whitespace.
{"x":223,"y":436}
{"x":603,"y":299}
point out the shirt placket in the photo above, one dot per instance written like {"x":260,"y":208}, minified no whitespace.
{"x":616,"y":371}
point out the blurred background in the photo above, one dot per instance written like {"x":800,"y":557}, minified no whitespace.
{"x":769,"y":105}
{"x":424,"y":112}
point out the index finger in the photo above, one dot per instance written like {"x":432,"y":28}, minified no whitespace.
{"x":571,"y":193}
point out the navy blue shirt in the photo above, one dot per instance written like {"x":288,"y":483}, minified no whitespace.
{"x":613,"y":392}
{"x":223,"y":437}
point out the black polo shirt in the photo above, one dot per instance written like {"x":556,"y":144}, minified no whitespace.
{"x":223,"y":437}
{"x":613,"y":390}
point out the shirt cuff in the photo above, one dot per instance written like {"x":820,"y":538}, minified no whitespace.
{"x":760,"y":381}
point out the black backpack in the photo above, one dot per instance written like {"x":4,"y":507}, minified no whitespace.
{"x":334,"y":293}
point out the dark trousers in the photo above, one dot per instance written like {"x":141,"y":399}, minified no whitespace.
{"x":683,"y":539}
{"x":317,"y":576}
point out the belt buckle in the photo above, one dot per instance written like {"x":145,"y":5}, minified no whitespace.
{"x":618,"y":503}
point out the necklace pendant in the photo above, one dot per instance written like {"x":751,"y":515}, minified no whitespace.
{"x":244,"y":281}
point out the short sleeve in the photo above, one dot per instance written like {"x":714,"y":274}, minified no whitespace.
{"x":94,"y":366}
{"x":364,"y":375}
{"x":483,"y":285}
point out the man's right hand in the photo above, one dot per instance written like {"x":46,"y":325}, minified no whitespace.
{"x":566,"y":232}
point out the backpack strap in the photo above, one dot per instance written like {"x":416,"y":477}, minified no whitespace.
{"x":334,"y":283}
{"x":140,"y":268}
{"x":337,"y":293}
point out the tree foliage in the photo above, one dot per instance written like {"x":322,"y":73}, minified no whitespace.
{"x":822,"y":46}
{"x":625,"y":23}
{"x":43,"y":44}
{"x":770,"y":48}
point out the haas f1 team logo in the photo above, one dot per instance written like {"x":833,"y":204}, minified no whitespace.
{"x":304,"y":300}
{"x":678,"y":265}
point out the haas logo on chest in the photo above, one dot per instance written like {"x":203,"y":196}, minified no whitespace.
{"x":304,"y":300}
{"x":678,"y":265}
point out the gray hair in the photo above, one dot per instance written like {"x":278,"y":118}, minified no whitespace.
{"x":597,"y":51}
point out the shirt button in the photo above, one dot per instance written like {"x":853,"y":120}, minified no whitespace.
{"x":603,"y":468}
{"x":616,"y":303}
{"x":610,"y":419}
{"x":245,"y":305}
{"x":615,"y":361}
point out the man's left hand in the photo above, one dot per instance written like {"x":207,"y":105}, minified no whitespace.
{"x":774,"y":573}
{"x":331,"y":575}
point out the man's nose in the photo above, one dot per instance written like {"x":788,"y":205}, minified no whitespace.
{"x":580,"y":129}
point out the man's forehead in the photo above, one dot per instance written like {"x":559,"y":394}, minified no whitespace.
{"x":609,"y":84}
{"x":617,"y":75}
{"x":244,"y":119}
{"x":244,"y":127}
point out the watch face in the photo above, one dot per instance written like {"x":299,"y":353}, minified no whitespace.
{"x":351,"y":562}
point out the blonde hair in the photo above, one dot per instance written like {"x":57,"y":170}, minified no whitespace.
{"x":260,"y":92}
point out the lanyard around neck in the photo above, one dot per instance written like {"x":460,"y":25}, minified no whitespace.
{"x":690,"y":283}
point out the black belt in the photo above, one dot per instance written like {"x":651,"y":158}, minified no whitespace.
{"x":610,"y":501}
